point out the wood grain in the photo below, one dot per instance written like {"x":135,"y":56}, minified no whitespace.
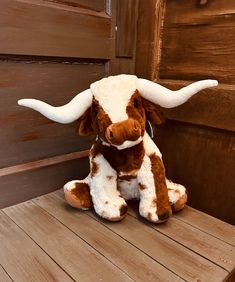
{"x":214,"y":107}
{"x":37,"y":29}
{"x":33,"y":264}
{"x":149,"y":33}
{"x":126,"y":22}
{"x":4,"y":276}
{"x":132,"y":261}
{"x":19,"y":187}
{"x":203,"y":160}
{"x":174,"y":256}
{"x":202,"y":243}
{"x":198,"y":41}
{"x":208,"y":224}
{"x":98,"y":5}
{"x":26,"y":135}
{"x":74,"y":255}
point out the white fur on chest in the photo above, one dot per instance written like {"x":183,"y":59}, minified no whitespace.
{"x":113,"y":94}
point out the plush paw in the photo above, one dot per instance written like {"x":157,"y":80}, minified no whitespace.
{"x":177,"y":196}
{"x":77,"y":194}
{"x":149,"y":211}
{"x":112,"y":210}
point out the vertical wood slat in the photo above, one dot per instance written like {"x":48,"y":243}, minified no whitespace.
{"x":125,"y":33}
{"x":149,"y":33}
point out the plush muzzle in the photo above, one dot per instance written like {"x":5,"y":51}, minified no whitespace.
{"x":127,"y":130}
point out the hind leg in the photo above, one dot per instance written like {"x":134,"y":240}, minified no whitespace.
{"x":77,"y":194}
{"x":177,"y":195}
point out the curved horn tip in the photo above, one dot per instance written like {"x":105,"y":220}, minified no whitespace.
{"x":213,"y":82}
{"x":20,"y":102}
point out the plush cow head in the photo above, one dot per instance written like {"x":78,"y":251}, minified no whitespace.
{"x":115,"y":107}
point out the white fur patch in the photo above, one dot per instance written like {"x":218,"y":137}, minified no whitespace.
{"x":150,"y":147}
{"x":129,"y":189}
{"x":148,"y":196}
{"x":106,"y":198}
{"x":175,"y":191}
{"x":114,"y":93}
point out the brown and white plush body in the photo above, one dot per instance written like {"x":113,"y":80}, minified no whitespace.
{"x":125,"y":163}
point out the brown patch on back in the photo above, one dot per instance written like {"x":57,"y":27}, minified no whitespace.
{"x":158,"y":170}
{"x":82,"y":194}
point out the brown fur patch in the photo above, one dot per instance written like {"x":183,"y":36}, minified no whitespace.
{"x":82,"y":193}
{"x":100,"y":119}
{"x":142,"y":186}
{"x":84,"y":124}
{"x":109,"y":177}
{"x":123,"y":210}
{"x":125,"y":160}
{"x":94,"y":167}
{"x":135,"y":110}
{"x":127,"y":177}
{"x":153,"y":112}
{"x":117,"y":133}
{"x":163,"y":205}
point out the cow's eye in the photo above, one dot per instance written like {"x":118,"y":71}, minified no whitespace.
{"x":136,"y":103}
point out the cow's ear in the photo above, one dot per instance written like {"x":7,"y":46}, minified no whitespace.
{"x":84,"y":124}
{"x":153,"y":112}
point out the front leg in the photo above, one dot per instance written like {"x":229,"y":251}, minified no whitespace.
{"x":107,"y":200}
{"x":154,"y":201}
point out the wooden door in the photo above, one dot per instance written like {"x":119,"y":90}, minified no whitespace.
{"x":51,"y":50}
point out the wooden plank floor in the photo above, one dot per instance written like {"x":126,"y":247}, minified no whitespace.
{"x":46,"y":240}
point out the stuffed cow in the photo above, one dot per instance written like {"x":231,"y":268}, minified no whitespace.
{"x":124,"y":161}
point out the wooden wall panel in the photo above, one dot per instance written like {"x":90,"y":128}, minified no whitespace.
{"x":203,"y":160}
{"x":97,"y":5}
{"x":126,"y":20}
{"x":25,"y":135}
{"x":28,"y":28}
{"x":214,"y":107}
{"x":19,"y":187}
{"x":51,"y":50}
{"x":198,"y":41}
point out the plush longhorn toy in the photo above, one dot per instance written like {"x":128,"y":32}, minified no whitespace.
{"x":124,"y":161}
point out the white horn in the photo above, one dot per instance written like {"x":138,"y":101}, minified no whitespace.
{"x":167,"y":98}
{"x":64,"y":114}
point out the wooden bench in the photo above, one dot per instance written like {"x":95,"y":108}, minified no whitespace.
{"x":45,"y":240}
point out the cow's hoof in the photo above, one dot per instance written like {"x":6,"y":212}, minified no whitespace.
{"x":180,"y":203}
{"x":77,"y":195}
